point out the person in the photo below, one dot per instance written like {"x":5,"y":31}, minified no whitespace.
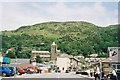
{"x":103,"y":73}
{"x":40,"y":71}
{"x":63,"y":69}
{"x":88,"y":72}
{"x":114,"y":74}
{"x":91,"y":72}
{"x":97,"y":74}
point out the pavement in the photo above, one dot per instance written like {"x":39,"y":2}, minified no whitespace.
{"x":86,"y":76}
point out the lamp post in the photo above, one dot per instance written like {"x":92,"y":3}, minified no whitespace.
{"x":100,"y":70}
{"x":15,"y":62}
{"x":110,"y":64}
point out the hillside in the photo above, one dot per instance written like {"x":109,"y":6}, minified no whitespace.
{"x":75,"y":37}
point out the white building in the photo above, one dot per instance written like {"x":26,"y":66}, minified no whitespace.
{"x":63,"y":63}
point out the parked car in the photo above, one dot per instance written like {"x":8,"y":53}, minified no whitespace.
{"x":13,"y":70}
{"x":27,"y":70}
{"x":34,"y":68}
{"x":5,"y":71}
{"x":43,"y":67}
{"x":20,"y":71}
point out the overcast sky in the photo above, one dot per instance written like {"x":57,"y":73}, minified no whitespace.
{"x":16,"y":14}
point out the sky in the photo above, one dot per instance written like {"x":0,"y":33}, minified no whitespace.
{"x":16,"y":14}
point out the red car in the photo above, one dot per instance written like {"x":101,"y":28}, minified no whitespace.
{"x":20,"y":71}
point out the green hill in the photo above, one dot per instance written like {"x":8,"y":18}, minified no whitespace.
{"x":73,"y":37}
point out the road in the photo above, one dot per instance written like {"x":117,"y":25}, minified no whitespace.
{"x":49,"y":76}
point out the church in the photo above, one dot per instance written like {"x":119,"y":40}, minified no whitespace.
{"x":46,"y":55}
{"x":56,"y":58}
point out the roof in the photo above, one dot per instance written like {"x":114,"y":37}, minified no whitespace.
{"x":112,"y":59}
{"x":94,"y":59}
{"x":40,"y":52}
{"x":94,"y":55}
{"x":74,"y":58}
{"x":113,"y":48}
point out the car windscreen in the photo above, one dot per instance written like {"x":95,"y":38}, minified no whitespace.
{"x":11,"y":68}
{"x":7,"y":68}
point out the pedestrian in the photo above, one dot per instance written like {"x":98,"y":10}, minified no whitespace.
{"x":114,"y":75}
{"x":91,"y":72}
{"x":63,"y":69}
{"x":88,"y":71}
{"x":103,"y":73}
{"x":40,"y":71}
{"x":97,"y":73}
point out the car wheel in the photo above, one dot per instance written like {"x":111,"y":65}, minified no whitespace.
{"x":4,"y":74}
{"x":18,"y":73}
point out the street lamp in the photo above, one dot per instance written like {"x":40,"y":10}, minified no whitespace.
{"x":15,"y":62}
{"x":110,"y":64}
{"x":100,"y":69}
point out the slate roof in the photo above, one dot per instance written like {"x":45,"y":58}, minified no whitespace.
{"x":114,"y":59}
{"x":40,"y":52}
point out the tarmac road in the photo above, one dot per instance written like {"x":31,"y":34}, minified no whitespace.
{"x":49,"y":76}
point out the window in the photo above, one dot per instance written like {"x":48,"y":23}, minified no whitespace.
{"x":118,"y":70}
{"x":114,"y":66}
{"x":117,"y":67}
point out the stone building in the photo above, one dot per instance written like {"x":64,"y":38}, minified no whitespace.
{"x":44,"y":55}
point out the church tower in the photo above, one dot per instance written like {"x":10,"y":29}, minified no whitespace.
{"x":53,"y":52}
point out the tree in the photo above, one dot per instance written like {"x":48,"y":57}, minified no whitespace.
{"x":38,"y":59}
{"x":10,"y":54}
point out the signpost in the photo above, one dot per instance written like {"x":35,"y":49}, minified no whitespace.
{"x":100,"y":70}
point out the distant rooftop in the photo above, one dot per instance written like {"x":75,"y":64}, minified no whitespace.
{"x":40,"y":52}
{"x":93,"y":55}
{"x":113,"y":48}
{"x":94,"y":59}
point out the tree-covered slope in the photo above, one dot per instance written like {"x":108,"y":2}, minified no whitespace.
{"x":71,"y":37}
